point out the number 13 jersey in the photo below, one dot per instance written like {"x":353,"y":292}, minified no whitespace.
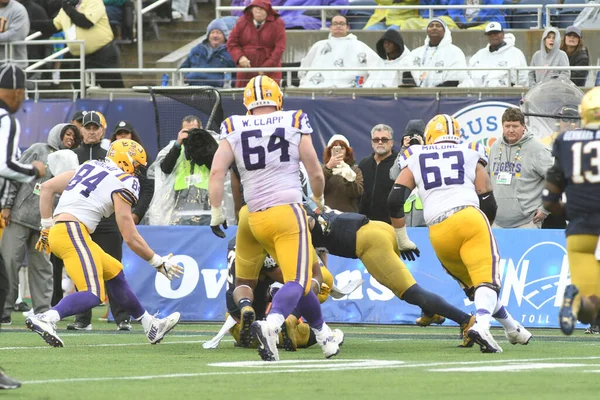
{"x":444,"y":174}
{"x":267,"y":155}
{"x":88,"y":196}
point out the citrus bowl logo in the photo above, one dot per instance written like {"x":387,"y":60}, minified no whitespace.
{"x":481,"y":122}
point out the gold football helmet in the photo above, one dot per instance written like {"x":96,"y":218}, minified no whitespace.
{"x":262,"y":91}
{"x":589,"y":109}
{"x":127,"y":154}
{"x":442,"y":127}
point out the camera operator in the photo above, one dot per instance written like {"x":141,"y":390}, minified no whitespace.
{"x":414,"y":134}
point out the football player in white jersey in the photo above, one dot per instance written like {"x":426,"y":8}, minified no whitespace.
{"x":95,"y":190}
{"x":267,"y":146}
{"x":459,"y":207}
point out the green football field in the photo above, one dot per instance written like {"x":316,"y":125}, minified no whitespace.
{"x":375,"y":362}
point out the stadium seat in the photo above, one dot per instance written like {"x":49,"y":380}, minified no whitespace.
{"x":357,"y":19}
{"x":566,"y":16}
{"x":527,"y":18}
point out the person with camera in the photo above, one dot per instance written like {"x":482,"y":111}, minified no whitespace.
{"x":343,"y":178}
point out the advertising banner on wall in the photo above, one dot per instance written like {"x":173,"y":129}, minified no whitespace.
{"x":533,"y":265}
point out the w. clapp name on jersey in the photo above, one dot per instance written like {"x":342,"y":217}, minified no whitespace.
{"x":262,"y":121}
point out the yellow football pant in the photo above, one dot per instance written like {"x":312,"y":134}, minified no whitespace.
{"x":86,"y":263}
{"x":377,"y":248}
{"x":585,"y":269}
{"x":282,"y":231}
{"x":466,"y":247}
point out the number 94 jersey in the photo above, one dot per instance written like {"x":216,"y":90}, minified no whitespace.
{"x":445,"y":175}
{"x":266,"y":149}
{"x":88,"y":196}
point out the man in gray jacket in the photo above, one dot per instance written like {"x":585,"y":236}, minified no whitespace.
{"x":517,"y":166}
{"x":14,"y":26}
{"x":23,"y":230}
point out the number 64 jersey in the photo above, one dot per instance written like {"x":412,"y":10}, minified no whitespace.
{"x":266,"y":149}
{"x":88,"y":196}
{"x":445,"y":175}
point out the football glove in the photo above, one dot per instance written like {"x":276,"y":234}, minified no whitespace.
{"x":217,"y":218}
{"x":408,"y":250}
{"x":42,"y":244}
{"x":166,"y":267}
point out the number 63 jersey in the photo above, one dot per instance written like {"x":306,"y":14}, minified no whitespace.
{"x":266,"y":149}
{"x":88,"y":196}
{"x":445,"y":175}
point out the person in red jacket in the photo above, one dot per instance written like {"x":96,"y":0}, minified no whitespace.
{"x":257,"y":40}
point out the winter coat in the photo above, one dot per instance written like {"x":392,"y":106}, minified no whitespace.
{"x":340,"y":194}
{"x":23,"y":202}
{"x":579,"y":59}
{"x":264,"y":46}
{"x":556,"y":57}
{"x":390,"y":16}
{"x":458,"y":15}
{"x":506,"y":56}
{"x":391,"y":77}
{"x":377,"y":187}
{"x":204,"y":56}
{"x":445,"y":54}
{"x":343,"y":52}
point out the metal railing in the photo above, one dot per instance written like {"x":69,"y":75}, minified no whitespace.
{"x":550,"y":7}
{"x":176,"y":75}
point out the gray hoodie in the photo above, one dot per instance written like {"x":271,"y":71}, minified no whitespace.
{"x":24,"y":204}
{"x":519,"y":201}
{"x":556,"y":57}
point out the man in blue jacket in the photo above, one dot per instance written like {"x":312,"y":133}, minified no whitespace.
{"x":211,"y":53}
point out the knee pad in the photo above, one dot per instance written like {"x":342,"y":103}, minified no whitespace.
{"x":493,"y":286}
{"x":470,"y":293}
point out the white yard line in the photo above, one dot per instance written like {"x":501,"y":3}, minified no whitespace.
{"x":108,"y":345}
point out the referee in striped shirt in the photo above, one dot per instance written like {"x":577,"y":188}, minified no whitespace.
{"x":12,"y":94}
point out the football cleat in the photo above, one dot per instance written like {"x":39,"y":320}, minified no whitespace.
{"x":248,"y":316}
{"x":288,"y":333}
{"x":464,"y":330}
{"x":593,"y":330}
{"x":426,"y":320}
{"x":482,"y":336}
{"x":328,"y":341}
{"x":267,"y":336}
{"x":46,"y":329}
{"x":567,"y":315}
{"x":519,"y":336}
{"x":6,"y":382}
{"x":159,"y":327}
{"x":338,"y":336}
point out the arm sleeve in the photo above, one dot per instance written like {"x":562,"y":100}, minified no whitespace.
{"x":168,"y":163}
{"x":77,"y":18}
{"x":10,"y":168}
{"x":355,"y":189}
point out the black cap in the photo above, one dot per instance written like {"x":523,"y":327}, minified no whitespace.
{"x":78,"y":116}
{"x":123,"y":126}
{"x":12,"y":77}
{"x":92,"y":117}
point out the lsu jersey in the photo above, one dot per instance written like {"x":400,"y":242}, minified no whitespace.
{"x":444,"y":174}
{"x":88,"y":196}
{"x":578,"y":154}
{"x":267,"y":155}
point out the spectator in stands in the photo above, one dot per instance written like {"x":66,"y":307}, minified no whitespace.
{"x":257,"y":40}
{"x":394,"y":55}
{"x":500,"y":52}
{"x":211,"y":53}
{"x":572,"y":44}
{"x":548,"y":55}
{"x":376,"y":174}
{"x":77,"y":118}
{"x":14,"y":27}
{"x":87,"y":20}
{"x":383,"y":19}
{"x":438,"y":51}
{"x":340,"y":50}
{"x":22,"y":216}
{"x":456,"y":18}
{"x":343,"y":178}
{"x":35,"y":12}
{"x":518,"y":163}
{"x":296,"y":19}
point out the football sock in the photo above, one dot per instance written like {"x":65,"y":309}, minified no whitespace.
{"x":122,"y":294}
{"x":245,"y":302}
{"x":275,"y":319}
{"x":507,"y":321}
{"x":76,"y":303}
{"x":286,"y":299}
{"x":146,"y":320}
{"x":310,"y":308}
{"x":52,"y":315}
{"x":486,"y":300}
{"x":434,"y":304}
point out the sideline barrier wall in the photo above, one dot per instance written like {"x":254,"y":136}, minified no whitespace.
{"x":533,"y":265}
{"x":328,"y":115}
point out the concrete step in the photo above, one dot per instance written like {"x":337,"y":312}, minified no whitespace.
{"x":181,"y":34}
